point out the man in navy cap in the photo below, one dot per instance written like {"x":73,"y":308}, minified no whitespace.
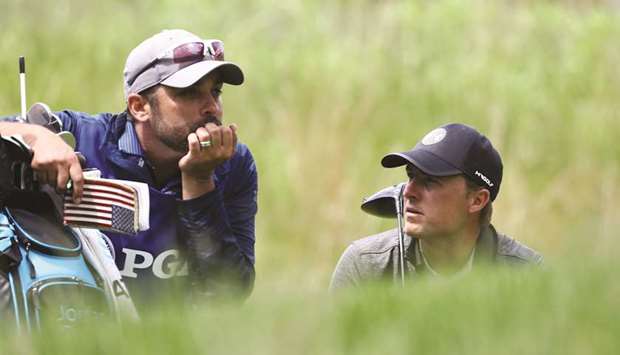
{"x":203,"y":183}
{"x":454,"y":176}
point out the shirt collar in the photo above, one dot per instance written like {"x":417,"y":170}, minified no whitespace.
{"x":465,"y":269}
{"x":128,"y":142}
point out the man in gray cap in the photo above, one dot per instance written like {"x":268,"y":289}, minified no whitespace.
{"x":203,"y":183}
{"x":454,"y":176}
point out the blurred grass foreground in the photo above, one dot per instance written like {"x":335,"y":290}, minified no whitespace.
{"x":569,"y":310}
{"x":331,"y":87}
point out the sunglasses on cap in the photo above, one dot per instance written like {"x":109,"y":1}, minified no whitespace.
{"x":191,"y":52}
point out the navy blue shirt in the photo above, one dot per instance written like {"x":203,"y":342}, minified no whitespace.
{"x":208,"y":240}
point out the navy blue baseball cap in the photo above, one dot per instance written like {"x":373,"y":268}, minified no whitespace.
{"x":454,"y":149}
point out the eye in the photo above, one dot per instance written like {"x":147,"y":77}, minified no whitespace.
{"x":426,"y":182}
{"x":217,"y":92}
{"x":188,"y":92}
{"x":432,"y":181}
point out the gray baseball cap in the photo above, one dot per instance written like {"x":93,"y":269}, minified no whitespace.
{"x":176,"y":58}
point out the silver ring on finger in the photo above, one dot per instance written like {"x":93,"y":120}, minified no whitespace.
{"x":205,"y":144}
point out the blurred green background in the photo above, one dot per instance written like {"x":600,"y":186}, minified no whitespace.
{"x":331,"y":86}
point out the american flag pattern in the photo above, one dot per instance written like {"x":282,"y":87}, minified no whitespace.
{"x":105,"y":205}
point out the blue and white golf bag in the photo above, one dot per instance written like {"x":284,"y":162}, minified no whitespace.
{"x":50,"y":274}
{"x":46,"y":273}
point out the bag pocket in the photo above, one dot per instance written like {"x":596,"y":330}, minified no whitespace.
{"x":65,"y":302}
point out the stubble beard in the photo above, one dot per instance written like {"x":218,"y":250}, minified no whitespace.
{"x":175,"y":138}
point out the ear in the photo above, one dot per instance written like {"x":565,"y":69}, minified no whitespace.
{"x":478,"y":200}
{"x":139,"y":107}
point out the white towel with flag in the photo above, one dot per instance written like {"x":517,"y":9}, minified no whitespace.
{"x":107,"y":204}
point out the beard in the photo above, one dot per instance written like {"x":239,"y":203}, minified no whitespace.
{"x":175,"y":137}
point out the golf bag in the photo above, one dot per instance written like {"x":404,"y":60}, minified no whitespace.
{"x":46,"y":275}
{"x":45,"y":272}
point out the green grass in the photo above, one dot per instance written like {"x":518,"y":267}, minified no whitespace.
{"x":331,"y":87}
{"x":572,"y":309}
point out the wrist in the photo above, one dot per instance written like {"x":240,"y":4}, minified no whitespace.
{"x":193,"y":187}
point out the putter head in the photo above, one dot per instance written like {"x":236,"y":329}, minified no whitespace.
{"x":383,"y":202}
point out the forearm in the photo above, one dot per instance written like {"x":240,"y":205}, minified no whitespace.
{"x":193,"y":188}
{"x":29,"y":132}
{"x":53,"y":160}
{"x":217,"y":261}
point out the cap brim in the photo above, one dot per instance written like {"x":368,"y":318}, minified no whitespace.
{"x":428,"y":162}
{"x":230,"y":73}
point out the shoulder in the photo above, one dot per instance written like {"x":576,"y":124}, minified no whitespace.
{"x":381,"y":243}
{"x":243,"y":150}
{"x":241,"y":166}
{"x":75,"y":120}
{"x":238,"y":176}
{"x":514,"y":252}
{"x":242,"y":161}
{"x":83,"y":116}
{"x":365,"y":259}
{"x":373,"y":253}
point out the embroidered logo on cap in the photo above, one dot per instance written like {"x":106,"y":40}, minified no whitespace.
{"x":484,"y":178}
{"x":434,"y":136}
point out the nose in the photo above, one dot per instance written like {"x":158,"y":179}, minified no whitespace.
{"x":210,"y":106}
{"x":412,"y":189}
